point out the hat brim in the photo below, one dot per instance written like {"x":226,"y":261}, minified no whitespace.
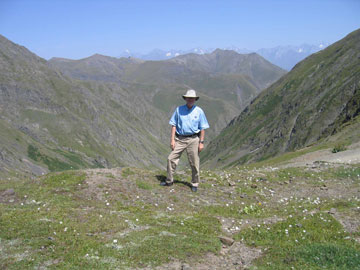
{"x":196,"y":98}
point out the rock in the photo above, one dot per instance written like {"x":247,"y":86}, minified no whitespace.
{"x":231,"y":184}
{"x":299,"y":225}
{"x":226,"y":240}
{"x":9,"y":192}
{"x":253,"y":186}
{"x":185,"y":267}
{"x":165,"y":233}
{"x":99,"y":160}
{"x":332,"y":211}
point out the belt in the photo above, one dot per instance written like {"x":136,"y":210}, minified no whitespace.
{"x":192,"y":135}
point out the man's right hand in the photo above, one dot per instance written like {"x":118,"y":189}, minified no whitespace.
{"x":172,"y":145}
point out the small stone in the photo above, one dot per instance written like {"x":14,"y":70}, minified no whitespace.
{"x":185,"y":267}
{"x":253,"y":186}
{"x":226,"y":240}
{"x":299,"y":225}
{"x":231,"y":184}
{"x":332,"y":211}
{"x":9,"y":192}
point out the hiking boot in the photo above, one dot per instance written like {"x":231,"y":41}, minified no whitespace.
{"x":163,"y":183}
{"x":194,"y":189}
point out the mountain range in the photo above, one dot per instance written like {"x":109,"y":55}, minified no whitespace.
{"x":285,"y":57}
{"x":104,"y":112}
{"x":317,"y":99}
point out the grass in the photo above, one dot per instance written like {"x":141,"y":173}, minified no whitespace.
{"x":338,"y":148}
{"x":352,"y":172}
{"x":127,"y":172}
{"x":53,"y":164}
{"x":124,"y":220}
{"x":316,"y":242}
{"x":144,"y":185}
{"x":54,"y":221}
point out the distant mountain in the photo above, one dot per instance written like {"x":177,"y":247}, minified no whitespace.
{"x":103,"y":111}
{"x":314,"y":100}
{"x":285,"y":57}
{"x":224,"y":75}
{"x":158,"y":54}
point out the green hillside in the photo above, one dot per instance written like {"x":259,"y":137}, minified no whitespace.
{"x":316,"y":99}
{"x":103,"y":111}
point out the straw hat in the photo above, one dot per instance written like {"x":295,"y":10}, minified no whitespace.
{"x":190,"y":94}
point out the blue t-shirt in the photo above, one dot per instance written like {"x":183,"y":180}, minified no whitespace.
{"x":189,"y":121}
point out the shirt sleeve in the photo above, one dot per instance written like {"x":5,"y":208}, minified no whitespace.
{"x":174,"y":118}
{"x":203,"y":123}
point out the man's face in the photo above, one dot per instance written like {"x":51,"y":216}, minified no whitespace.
{"x":190,"y":101}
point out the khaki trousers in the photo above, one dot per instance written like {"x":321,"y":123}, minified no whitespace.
{"x":191,"y":146}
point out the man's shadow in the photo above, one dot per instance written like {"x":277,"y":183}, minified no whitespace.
{"x":162,"y":178}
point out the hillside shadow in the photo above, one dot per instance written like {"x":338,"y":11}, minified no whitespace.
{"x":162,"y":178}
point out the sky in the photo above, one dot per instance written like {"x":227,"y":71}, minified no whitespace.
{"x":80,"y":28}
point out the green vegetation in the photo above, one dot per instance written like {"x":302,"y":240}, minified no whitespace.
{"x":106,"y":219}
{"x":53,"y":164}
{"x":127,"y":172}
{"x":314,"y":242}
{"x":338,"y":148}
{"x":57,"y":223}
{"x":144,"y":185}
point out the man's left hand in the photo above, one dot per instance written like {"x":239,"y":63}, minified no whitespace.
{"x":201,"y":147}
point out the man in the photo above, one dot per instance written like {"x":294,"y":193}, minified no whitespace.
{"x":188,"y":125}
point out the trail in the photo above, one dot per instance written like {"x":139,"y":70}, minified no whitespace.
{"x":349,"y":156}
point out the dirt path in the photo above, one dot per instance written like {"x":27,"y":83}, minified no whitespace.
{"x":349,"y":156}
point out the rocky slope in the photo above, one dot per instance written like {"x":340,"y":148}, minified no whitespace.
{"x":51,"y":122}
{"x":316,"y":99}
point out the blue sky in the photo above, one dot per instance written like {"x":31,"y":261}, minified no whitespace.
{"x":78,"y":28}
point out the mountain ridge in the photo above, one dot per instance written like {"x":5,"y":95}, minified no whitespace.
{"x":301,"y":108}
{"x":100,"y":111}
